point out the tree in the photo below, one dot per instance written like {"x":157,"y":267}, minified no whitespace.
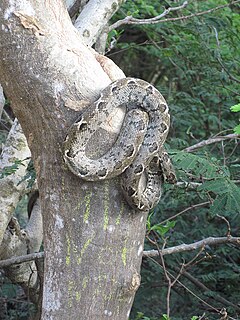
{"x":50,"y":75}
{"x":54,"y":71}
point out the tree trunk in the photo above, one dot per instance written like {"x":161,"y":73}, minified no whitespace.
{"x":93,"y":240}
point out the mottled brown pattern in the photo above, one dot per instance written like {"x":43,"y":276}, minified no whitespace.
{"x":138,"y":149}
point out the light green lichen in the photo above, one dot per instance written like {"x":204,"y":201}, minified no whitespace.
{"x":84,"y":248}
{"x":70,"y":292}
{"x":68,"y":257}
{"x":84,"y":282}
{"x":120,"y":214}
{"x":108,"y":297}
{"x":78,"y":296}
{"x":106,"y":204}
{"x":87,"y":201}
{"x":124,"y":256}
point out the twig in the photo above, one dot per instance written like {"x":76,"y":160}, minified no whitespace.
{"x":210,"y":241}
{"x":171,"y":283}
{"x":188,"y":184}
{"x":194,"y":206}
{"x":202,"y":286}
{"x":21,"y":259}
{"x":7,"y":117}
{"x":228,"y":224}
{"x":210,"y":141}
{"x":150,"y":253}
{"x":190,"y":291}
{"x":166,"y":275}
{"x":187,"y":265}
{"x":131,"y":20}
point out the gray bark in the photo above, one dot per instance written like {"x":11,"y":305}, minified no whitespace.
{"x":94,"y":17}
{"x":15,"y":148}
{"x":93,"y":239}
{"x":2,"y":100}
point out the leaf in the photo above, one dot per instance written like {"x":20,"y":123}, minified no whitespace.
{"x":237,"y":129}
{"x":233,"y":201}
{"x":198,"y":166}
{"x":228,"y":195}
{"x":235,"y":108}
{"x":218,"y":205}
{"x":163,"y":229}
{"x":148,"y":224}
{"x":165,"y":317}
{"x":217,"y":186}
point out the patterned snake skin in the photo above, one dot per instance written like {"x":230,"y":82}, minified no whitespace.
{"x":137,"y":153}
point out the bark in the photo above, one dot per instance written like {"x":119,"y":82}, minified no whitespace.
{"x":10,"y":190}
{"x":2,"y":100}
{"x":75,"y":7}
{"x":94,"y":17}
{"x":93,"y":241}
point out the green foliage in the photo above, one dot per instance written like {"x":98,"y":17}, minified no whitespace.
{"x":193,"y":63}
{"x":165,"y":317}
{"x":160,"y":229}
{"x":216,"y":181}
{"x":13,"y":304}
{"x":236,"y":108}
{"x":237,"y":129}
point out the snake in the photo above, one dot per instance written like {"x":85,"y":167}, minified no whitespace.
{"x":138,"y":154}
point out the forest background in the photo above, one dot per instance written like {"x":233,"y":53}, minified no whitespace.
{"x":195,"y":64}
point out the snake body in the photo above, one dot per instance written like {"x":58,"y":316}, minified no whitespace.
{"x":137,"y":153}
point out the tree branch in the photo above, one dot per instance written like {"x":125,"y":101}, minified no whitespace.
{"x":74,"y":6}
{"x":210,"y":141}
{"x":94,"y":18}
{"x":205,"y":290}
{"x":211,"y":241}
{"x":20,"y":259}
{"x":131,"y":20}
{"x":194,"y":206}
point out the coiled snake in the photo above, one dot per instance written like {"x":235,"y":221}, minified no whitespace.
{"x":137,"y":153}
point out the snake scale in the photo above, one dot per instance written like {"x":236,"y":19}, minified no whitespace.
{"x":137,"y":153}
